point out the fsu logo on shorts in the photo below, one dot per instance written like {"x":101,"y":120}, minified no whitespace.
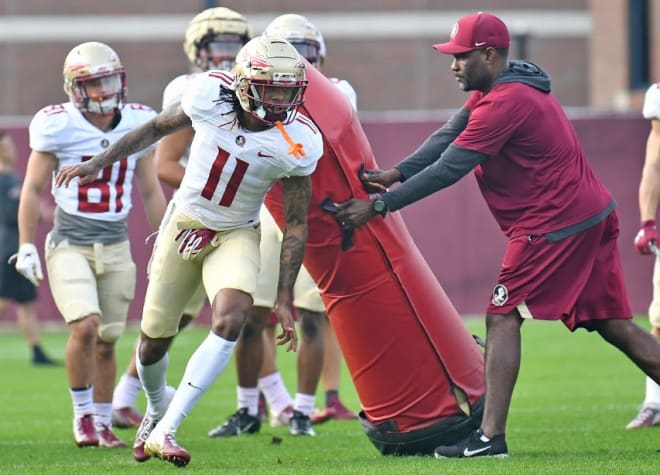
{"x":500,"y":295}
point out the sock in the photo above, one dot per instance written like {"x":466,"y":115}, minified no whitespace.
{"x":652,"y":398}
{"x":126,"y":391}
{"x":276,"y":394}
{"x":103,"y":414}
{"x":82,"y":401}
{"x":204,"y":367}
{"x":153,"y":381}
{"x":331,"y":395}
{"x":304,"y":403}
{"x":249,"y":398}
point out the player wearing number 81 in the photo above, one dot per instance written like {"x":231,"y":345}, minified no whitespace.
{"x":248,"y":136}
{"x":90,"y":269}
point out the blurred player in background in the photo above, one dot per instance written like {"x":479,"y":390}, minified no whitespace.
{"x":647,"y":237}
{"x":248,"y":136}
{"x":14,"y":288}
{"x":212,"y":40}
{"x":90,"y":268}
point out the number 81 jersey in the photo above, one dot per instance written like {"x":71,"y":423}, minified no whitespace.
{"x":230,"y":169}
{"x":63,"y":131}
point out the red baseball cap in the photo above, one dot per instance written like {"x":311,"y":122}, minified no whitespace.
{"x":477,"y":31}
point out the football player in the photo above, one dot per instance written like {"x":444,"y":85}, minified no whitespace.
{"x":88,"y":259}
{"x":212,"y":40}
{"x":248,"y":136}
{"x":318,"y":341}
{"x":647,"y":241}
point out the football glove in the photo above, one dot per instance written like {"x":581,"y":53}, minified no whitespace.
{"x":646,"y":237}
{"x":192,"y":241}
{"x":27,"y":263}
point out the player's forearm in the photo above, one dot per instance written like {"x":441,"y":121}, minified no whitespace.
{"x":134,"y":141}
{"x":649,"y":187}
{"x":292,"y":253}
{"x":28,"y":217}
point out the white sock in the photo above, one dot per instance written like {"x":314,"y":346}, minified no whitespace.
{"x":249,"y":398}
{"x":304,"y":403}
{"x":275,"y":391}
{"x":83,"y":402}
{"x":652,"y":398}
{"x":153,"y":379}
{"x":126,"y":391}
{"x":103,"y":414}
{"x":204,"y":367}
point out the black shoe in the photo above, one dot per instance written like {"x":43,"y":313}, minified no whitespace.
{"x":39,"y":358}
{"x":239,"y":423}
{"x":476,"y":445}
{"x":300,"y":424}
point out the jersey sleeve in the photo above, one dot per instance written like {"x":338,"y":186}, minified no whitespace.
{"x":46,"y":128}
{"x":174,"y":90}
{"x":651,"y":108}
{"x":346,"y":88}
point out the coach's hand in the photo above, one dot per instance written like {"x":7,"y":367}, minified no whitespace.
{"x":354,"y":213}
{"x":378,"y":181}
{"x":646,"y":237}
{"x":27,"y":263}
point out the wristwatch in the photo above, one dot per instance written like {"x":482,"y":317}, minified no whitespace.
{"x":379,"y":206}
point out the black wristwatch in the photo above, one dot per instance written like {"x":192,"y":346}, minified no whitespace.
{"x":379,"y":206}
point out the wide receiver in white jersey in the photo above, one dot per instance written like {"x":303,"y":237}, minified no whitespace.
{"x":649,"y":194}
{"x":319,"y":350}
{"x":212,"y":40}
{"x":248,"y":136}
{"x":90,"y":269}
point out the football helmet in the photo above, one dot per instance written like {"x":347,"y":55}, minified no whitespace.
{"x":270,"y":79}
{"x":94,"y":78}
{"x":214,"y":38}
{"x":302,"y":34}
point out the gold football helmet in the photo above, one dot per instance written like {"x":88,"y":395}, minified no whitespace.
{"x":302,"y":34}
{"x":270,"y":79}
{"x":214,"y":37}
{"x":94,"y":78}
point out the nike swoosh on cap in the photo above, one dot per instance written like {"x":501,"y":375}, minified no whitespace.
{"x":479,"y":43}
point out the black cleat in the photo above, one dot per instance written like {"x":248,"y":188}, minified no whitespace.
{"x":476,"y":445}
{"x":300,"y":424}
{"x":239,"y":423}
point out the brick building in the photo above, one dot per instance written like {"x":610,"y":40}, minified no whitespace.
{"x":383,"y":47}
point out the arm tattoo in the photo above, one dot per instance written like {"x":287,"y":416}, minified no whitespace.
{"x":297,"y":192}
{"x":168,"y":121}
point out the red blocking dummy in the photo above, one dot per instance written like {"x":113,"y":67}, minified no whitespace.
{"x":404,"y":343}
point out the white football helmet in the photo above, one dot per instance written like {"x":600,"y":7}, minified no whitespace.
{"x":214,"y":37}
{"x":94,"y":78}
{"x":270,"y":79}
{"x":302,"y":34}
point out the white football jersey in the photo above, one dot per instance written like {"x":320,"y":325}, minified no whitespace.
{"x":230,"y":169}
{"x":62,"y":130}
{"x":172,"y":95}
{"x":345,"y":87}
{"x":651,"y":109}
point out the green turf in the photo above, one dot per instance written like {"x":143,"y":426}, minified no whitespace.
{"x":574,"y":396}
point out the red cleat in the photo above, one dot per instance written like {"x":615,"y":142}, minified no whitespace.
{"x":342,"y":413}
{"x":84,"y":432}
{"x":165,"y":448}
{"x":126,"y":418}
{"x":322,"y":415}
{"x":108,"y":439}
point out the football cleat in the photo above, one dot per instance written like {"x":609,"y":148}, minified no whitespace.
{"x":239,"y":423}
{"x":342,"y":413}
{"x":300,"y":424}
{"x":282,"y":418}
{"x":164,"y":447}
{"x":147,"y":425}
{"x":107,"y":438}
{"x":320,"y":416}
{"x":648,"y":417}
{"x":126,"y":418}
{"x":84,"y":432}
{"x":476,"y":445}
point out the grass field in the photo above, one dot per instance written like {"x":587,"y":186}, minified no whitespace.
{"x":574,"y":396}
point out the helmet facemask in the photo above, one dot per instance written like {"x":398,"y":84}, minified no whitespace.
{"x":100,"y":93}
{"x":270,"y":80}
{"x":218,"y":51}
